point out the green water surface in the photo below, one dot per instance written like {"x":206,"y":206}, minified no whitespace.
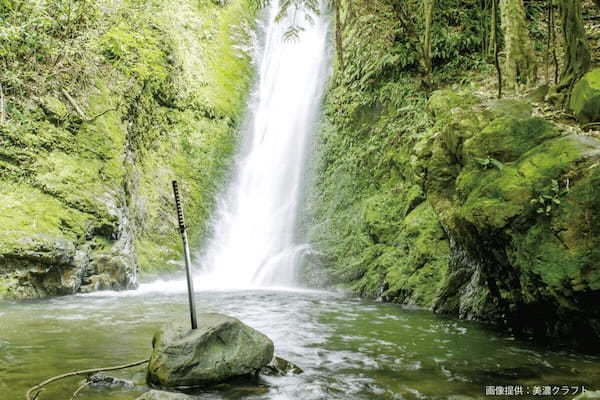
{"x":349,"y":348}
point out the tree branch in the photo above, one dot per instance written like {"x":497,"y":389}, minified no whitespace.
{"x":74,"y":104}
{"x":37,"y":388}
{"x":79,"y":389}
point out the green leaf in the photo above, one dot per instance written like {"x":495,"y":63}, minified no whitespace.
{"x":496,"y":163}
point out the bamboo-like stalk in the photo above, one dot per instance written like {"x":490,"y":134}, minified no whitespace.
{"x":2,"y":111}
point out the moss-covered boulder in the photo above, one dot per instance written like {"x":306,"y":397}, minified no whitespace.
{"x":585,"y":98}
{"x":221,"y":348}
{"x":520,"y":210}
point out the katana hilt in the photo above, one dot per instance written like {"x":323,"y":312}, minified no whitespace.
{"x":178,"y":206}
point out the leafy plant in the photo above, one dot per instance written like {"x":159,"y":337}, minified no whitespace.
{"x":489,"y":163}
{"x":546,"y":202}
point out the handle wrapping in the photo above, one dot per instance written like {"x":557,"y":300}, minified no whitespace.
{"x":180,"y":219}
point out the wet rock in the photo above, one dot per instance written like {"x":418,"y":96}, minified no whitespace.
{"x":221,"y":348}
{"x":585,"y":99}
{"x":42,"y":265}
{"x":280,"y":367}
{"x":102,"y":380}
{"x":39,"y":266}
{"x":110,"y":272}
{"x":162,"y":395}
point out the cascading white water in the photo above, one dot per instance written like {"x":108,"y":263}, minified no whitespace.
{"x":253,"y":239}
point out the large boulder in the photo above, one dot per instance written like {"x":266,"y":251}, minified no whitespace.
{"x":519,"y":198}
{"x":221,"y":348}
{"x":585,"y":99}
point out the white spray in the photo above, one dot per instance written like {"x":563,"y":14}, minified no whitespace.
{"x":253,"y":240}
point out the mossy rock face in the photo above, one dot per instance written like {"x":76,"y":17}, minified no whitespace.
{"x":506,"y":138}
{"x":521,"y":211}
{"x":86,"y":203}
{"x":585,"y":98}
{"x":444,"y":101}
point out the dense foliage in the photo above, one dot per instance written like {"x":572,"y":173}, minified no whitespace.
{"x":450,"y":199}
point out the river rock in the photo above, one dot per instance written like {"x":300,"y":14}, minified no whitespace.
{"x":107,"y":381}
{"x":280,"y":367}
{"x":221,"y":348}
{"x":161,"y":395}
{"x":585,"y":99}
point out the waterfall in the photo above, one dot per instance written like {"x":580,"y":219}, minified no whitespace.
{"x":253,"y":241}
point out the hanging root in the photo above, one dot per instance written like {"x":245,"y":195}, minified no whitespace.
{"x":38,"y":388}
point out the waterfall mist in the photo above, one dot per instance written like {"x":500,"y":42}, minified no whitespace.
{"x":253,"y":241}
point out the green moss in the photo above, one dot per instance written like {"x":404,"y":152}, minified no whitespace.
{"x":201,"y":130}
{"x":506,"y":138}
{"x":370,"y":220}
{"x":418,"y":275}
{"x":171,"y":80}
{"x":585,"y":97}
{"x":542,"y":257}
{"x":136,"y":51}
{"x":59,"y":173}
{"x":493,"y":197}
{"x":30,"y":215}
{"x":444,"y":101}
{"x":492,"y":209}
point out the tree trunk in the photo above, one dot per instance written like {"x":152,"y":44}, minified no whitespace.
{"x":494,"y":41}
{"x":577,"y":54}
{"x":427,"y":56}
{"x":339,"y":28}
{"x":520,"y":62}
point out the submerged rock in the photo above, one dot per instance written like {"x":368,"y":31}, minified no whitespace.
{"x":221,"y":348}
{"x":279,"y":367}
{"x":162,"y":395}
{"x":585,"y":99}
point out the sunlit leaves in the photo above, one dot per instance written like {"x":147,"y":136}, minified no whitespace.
{"x":293,"y":13}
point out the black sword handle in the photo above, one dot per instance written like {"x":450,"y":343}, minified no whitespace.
{"x":178,"y":206}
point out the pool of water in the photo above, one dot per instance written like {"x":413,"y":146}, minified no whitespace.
{"x":349,"y":348}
